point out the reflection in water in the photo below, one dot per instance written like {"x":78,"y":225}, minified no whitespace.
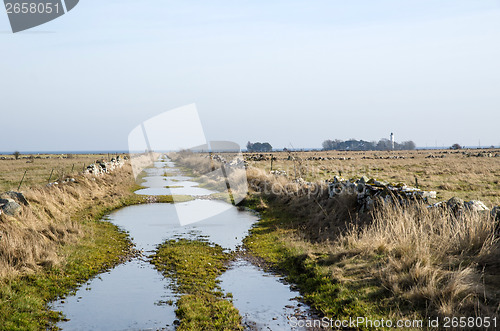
{"x":150,"y":225}
{"x":189,"y":190}
{"x":132,"y":296}
{"x":262,"y":299}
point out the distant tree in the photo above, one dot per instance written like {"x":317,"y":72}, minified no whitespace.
{"x":267,"y":147}
{"x":384,"y":144}
{"x":456,"y":146}
{"x":259,"y":147}
{"x":363,"y":145}
{"x":408,"y":145}
{"x":332,"y":144}
{"x":16,"y":154}
{"x":327,"y":145}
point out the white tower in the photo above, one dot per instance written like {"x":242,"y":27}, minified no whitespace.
{"x":392,"y":140}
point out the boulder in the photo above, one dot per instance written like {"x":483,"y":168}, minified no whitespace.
{"x":363,"y":180}
{"x":476,"y":205}
{"x":429,"y":195}
{"x":455,"y":204}
{"x":18,"y":197}
{"x":369,"y":190}
{"x":9,"y":206}
{"x":495,"y":212}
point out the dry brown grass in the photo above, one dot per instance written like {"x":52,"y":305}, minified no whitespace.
{"x":431,"y":260}
{"x":30,"y":240}
{"x":39,"y":170}
{"x":469,"y":178}
{"x":434,"y":261}
{"x":431,"y":257}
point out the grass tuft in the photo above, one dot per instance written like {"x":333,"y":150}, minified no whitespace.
{"x":195,"y":265}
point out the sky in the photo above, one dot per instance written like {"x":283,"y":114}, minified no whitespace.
{"x":292,"y":73}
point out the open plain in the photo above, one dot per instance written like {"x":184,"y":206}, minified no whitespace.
{"x":470,"y":174}
{"x":399,"y":262}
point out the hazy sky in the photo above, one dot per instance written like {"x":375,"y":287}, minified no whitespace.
{"x":287,"y":72}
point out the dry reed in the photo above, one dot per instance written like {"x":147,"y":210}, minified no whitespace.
{"x":30,"y":240}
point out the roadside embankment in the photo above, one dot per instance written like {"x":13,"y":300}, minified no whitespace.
{"x":399,"y":260}
{"x":407,"y":259}
{"x":58,"y":241}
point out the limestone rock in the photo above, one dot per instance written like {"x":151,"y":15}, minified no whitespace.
{"x":455,"y":204}
{"x":495,"y":212}
{"x":476,"y":205}
{"x":429,"y":195}
{"x":18,"y":197}
{"x":363,"y":180}
{"x":9,"y":206}
{"x":102,"y":167}
{"x":368,"y":190}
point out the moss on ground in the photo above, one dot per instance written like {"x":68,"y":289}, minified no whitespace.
{"x":337,"y":287}
{"x":23,"y":300}
{"x":195,"y":266}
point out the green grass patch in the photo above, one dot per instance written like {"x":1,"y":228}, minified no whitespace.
{"x":23,"y":300}
{"x":195,"y":265}
{"x":185,"y":171}
{"x":338,"y":287}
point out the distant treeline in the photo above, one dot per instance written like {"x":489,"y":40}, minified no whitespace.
{"x":259,"y":147}
{"x":362,"y":145}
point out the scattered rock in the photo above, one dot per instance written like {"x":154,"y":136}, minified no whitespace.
{"x":476,"y":205}
{"x":278,"y":172}
{"x":495,"y":212}
{"x":363,"y":180}
{"x":102,"y":167}
{"x":458,"y":206}
{"x":9,"y":206}
{"x":17,"y":196}
{"x":368,"y":190}
{"x":260,"y":157}
{"x":455,"y":204}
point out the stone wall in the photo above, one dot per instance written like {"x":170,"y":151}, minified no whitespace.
{"x":11,"y":202}
{"x":103,"y":167}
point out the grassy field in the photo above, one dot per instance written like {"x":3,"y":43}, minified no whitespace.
{"x":59,"y":241}
{"x":451,"y":173}
{"x":407,"y":262}
{"x":38,"y":168}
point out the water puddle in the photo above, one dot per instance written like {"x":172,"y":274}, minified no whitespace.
{"x":187,"y":190}
{"x":174,"y":183}
{"x":134,"y":296}
{"x":152,"y":224}
{"x":264,"y":301}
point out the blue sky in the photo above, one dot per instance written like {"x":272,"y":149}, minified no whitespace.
{"x":287,"y":72}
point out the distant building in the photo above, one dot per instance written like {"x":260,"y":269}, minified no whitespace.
{"x":392,"y":141}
